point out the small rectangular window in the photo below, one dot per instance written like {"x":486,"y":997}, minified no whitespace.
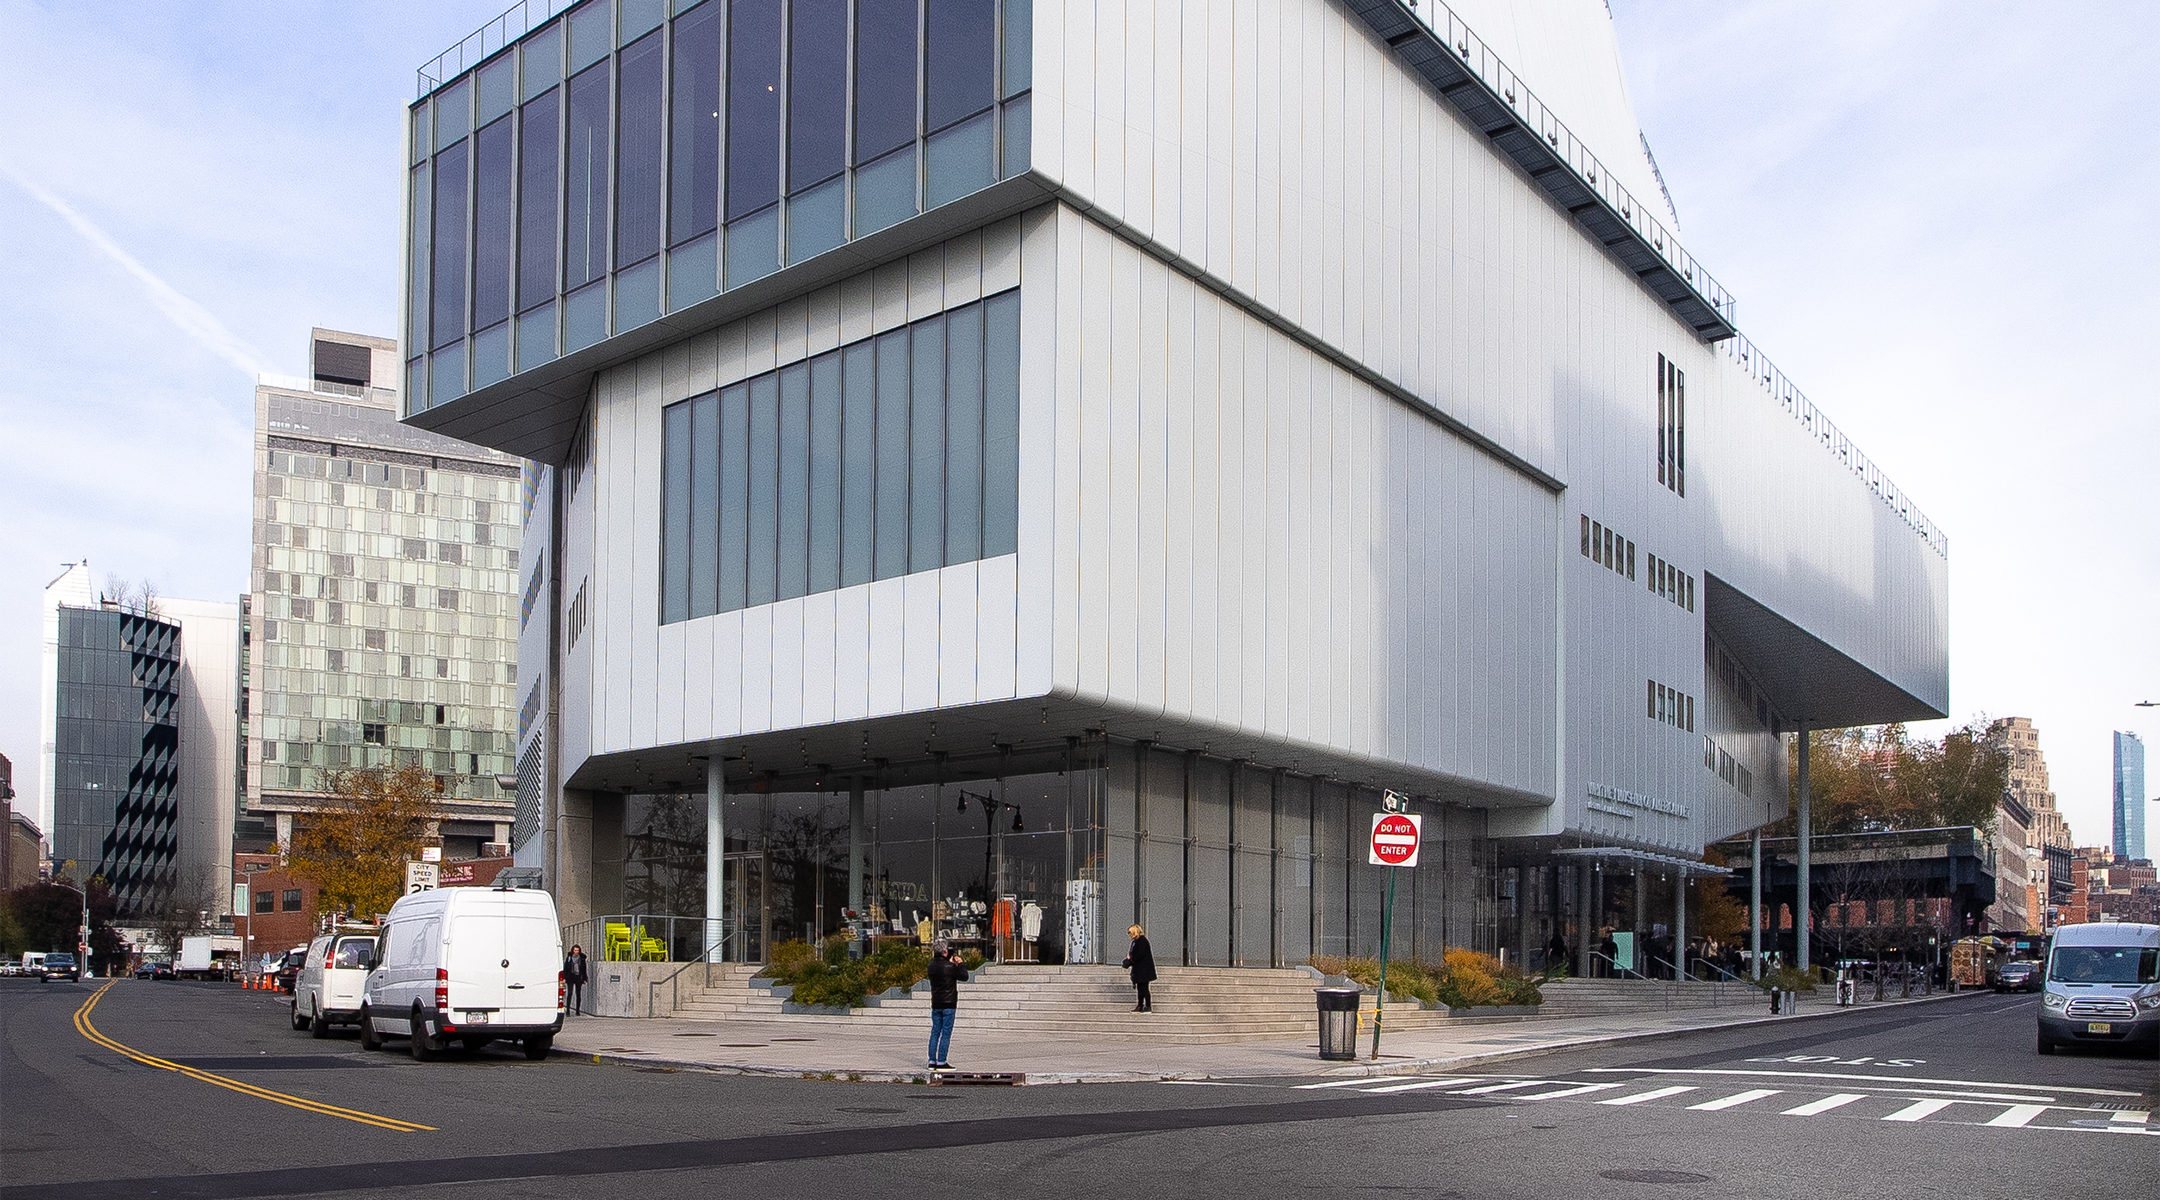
{"x":1586,"y":535}
{"x":265,"y":901}
{"x":1652,"y":695}
{"x":1690,"y":713}
{"x":1631,"y":560}
{"x":292,"y":899}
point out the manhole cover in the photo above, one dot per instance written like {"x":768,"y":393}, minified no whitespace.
{"x":1655,"y":1176}
{"x":871,"y":1110}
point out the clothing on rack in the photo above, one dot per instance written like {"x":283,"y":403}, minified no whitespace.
{"x":1031,"y":917}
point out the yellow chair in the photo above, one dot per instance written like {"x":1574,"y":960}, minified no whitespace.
{"x":652,"y":950}
{"x":619,"y":944}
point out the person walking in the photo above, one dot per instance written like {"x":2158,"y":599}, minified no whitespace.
{"x":574,"y":971}
{"x":946,"y":975}
{"x":1556,"y":951}
{"x":1140,"y":960}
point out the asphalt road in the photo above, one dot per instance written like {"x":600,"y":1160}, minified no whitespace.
{"x":1947,"y":1099}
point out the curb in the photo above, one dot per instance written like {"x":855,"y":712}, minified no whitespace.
{"x":1354,"y":1071}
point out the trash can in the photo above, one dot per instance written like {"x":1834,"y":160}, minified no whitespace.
{"x":1338,"y":1022}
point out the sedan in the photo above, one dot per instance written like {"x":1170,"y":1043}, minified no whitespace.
{"x":155,"y":970}
{"x":2018,"y":977}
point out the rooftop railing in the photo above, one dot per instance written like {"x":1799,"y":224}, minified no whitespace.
{"x":517,"y":21}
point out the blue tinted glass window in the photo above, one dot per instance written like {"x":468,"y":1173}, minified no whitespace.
{"x":637,"y":161}
{"x":885,"y":66}
{"x":753,"y":118}
{"x":764,"y":513}
{"x":817,"y":91}
{"x":497,"y":89}
{"x":963,"y":434}
{"x":926,"y":446}
{"x":492,"y":217}
{"x":585,"y":202}
{"x":825,"y":405}
{"x":694,"y":182}
{"x":892,"y":451}
{"x":960,"y":55}
{"x":675,"y":544}
{"x":858,"y":461}
{"x":1001,"y":424}
{"x":448,"y":324}
{"x":704,"y":505}
{"x":538,"y":187}
{"x":416,"y":297}
{"x":734,"y":496}
{"x":541,"y":58}
{"x":1019,"y":46}
{"x":794,"y":504}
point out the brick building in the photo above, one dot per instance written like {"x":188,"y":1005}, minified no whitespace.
{"x":278,"y":912}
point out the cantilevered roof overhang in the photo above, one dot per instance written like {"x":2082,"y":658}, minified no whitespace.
{"x":1806,"y":678}
{"x":1437,"y":45}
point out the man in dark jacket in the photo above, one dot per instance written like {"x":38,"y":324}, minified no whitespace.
{"x":1140,"y":960}
{"x":946,"y":976}
{"x":574,"y":972}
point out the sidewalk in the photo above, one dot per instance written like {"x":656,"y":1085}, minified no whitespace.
{"x":822,"y":1051}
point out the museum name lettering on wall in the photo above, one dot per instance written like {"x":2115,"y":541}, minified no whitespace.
{"x":1621,"y":802}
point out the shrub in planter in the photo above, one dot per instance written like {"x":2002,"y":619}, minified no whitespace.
{"x":1787,"y":979}
{"x":788,"y":960}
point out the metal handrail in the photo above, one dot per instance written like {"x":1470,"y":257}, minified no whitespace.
{"x":1624,"y":971}
{"x":704,"y":959}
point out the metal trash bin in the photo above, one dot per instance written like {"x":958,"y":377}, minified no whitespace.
{"x":1338,"y":1007}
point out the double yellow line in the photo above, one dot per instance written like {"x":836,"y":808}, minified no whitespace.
{"x":84,"y":1026}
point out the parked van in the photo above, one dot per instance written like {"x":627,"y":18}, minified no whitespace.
{"x":2102,"y":987}
{"x":470,"y":965}
{"x":332,"y":979}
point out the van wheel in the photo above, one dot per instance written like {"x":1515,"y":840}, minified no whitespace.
{"x":298,"y":1022}
{"x":369,"y":1039}
{"x":318,"y":1025}
{"x":538,"y":1045}
{"x":424,"y":1047}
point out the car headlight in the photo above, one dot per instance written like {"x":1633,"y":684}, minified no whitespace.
{"x":2148,"y":1002}
{"x":2054,"y":1000}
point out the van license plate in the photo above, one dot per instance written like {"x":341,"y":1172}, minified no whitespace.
{"x":478,"y":1018}
{"x":2099,"y":1027}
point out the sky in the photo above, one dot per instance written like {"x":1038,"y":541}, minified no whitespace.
{"x":1935,"y":217}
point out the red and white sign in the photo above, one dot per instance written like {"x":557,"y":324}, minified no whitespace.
{"x":1395,"y":839}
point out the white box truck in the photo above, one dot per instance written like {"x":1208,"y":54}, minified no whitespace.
{"x":469,"y":965}
{"x":206,"y":956}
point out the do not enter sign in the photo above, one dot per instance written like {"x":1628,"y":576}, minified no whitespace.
{"x":1395,"y":839}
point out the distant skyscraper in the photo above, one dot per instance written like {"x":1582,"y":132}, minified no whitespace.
{"x":2129,"y":795}
{"x":382,"y":625}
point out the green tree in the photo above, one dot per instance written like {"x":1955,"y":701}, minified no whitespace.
{"x":1878,"y":778}
{"x":354,"y":847}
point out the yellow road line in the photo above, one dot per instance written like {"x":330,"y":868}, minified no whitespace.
{"x":84,"y":1026}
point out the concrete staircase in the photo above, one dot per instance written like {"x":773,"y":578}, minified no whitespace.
{"x":1609,"y":997}
{"x":1191,"y":1004}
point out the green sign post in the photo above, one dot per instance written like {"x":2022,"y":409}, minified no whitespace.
{"x":1395,"y":836}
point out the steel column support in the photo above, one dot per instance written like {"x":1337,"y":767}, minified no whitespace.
{"x":715,"y":859}
{"x":1755,"y":870}
{"x":1802,"y":926}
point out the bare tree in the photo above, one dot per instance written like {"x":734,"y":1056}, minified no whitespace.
{"x":183,"y":906}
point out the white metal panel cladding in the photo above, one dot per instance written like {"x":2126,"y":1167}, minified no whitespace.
{"x":1307,"y":475}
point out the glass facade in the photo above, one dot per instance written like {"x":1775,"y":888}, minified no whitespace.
{"x":890,"y":455}
{"x":615,"y":166}
{"x":116,"y":745}
{"x":1047,"y":854}
{"x":386,"y":608}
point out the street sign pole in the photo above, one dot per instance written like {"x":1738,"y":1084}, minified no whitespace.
{"x":1395,"y":836}
{"x":1387,"y":928}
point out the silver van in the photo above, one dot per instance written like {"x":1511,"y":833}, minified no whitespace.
{"x":2102,"y":987}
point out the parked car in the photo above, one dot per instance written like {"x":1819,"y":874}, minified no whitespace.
{"x":288,"y":968}
{"x":10,"y":967}
{"x":62,"y":966}
{"x":154,"y":970}
{"x":332,"y":980}
{"x":2020,"y":976}
{"x":469,"y":965}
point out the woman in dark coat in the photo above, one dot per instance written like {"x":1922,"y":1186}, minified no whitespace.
{"x":1140,"y":960}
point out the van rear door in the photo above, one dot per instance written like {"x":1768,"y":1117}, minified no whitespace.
{"x":474,"y":957}
{"x":533,"y":945}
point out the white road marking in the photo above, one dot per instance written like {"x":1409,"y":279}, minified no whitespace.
{"x":2017,"y":1115}
{"x":1490,"y":1087}
{"x":1734,"y":1101}
{"x":2130,"y":1116}
{"x":1919,"y":1110}
{"x":1580,"y":1090}
{"x":1652,"y":1094}
{"x":1420,"y":1086}
{"x":1817,"y":1107}
{"x":1336,"y":1083}
{"x":1960,"y":1083}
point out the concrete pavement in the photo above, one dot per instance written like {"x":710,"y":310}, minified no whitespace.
{"x":799,"y":1050}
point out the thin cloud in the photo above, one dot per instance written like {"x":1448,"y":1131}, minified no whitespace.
{"x":193,"y":319}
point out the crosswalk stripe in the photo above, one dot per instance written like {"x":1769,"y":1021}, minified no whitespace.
{"x":1584,"y":1089}
{"x":2131,"y":1116}
{"x":2017,"y":1115}
{"x":1359,"y":1082}
{"x":1495,"y":1087}
{"x":1919,"y":1110}
{"x":1816,"y":1107}
{"x":1734,"y":1101}
{"x":1652,"y":1094}
{"x":1419,"y":1086}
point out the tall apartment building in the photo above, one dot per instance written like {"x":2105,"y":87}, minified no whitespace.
{"x":142,"y":741}
{"x":382,"y":619}
{"x":2129,"y":796}
{"x":1168,"y":425}
{"x":2046,"y":834}
{"x":22,"y":843}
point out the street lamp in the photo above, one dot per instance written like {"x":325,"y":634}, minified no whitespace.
{"x":83,"y":948}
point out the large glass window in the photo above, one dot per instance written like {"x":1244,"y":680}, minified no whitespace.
{"x":491,"y":224}
{"x":586,"y":195}
{"x":753,"y":118}
{"x":885,"y":51}
{"x":694,"y":186}
{"x":962,"y":58}
{"x":538,"y":139}
{"x":879,"y":458}
{"x":637,"y":169}
{"x":448,"y":324}
{"x":817,"y":91}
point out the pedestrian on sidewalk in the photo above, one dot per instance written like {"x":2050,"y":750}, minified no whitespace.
{"x":1556,"y":951}
{"x":574,"y":971}
{"x":946,"y":975}
{"x":1140,"y":960}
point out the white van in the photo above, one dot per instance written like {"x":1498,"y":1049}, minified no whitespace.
{"x":472,"y":965}
{"x":2102,"y":987}
{"x":328,"y":989}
